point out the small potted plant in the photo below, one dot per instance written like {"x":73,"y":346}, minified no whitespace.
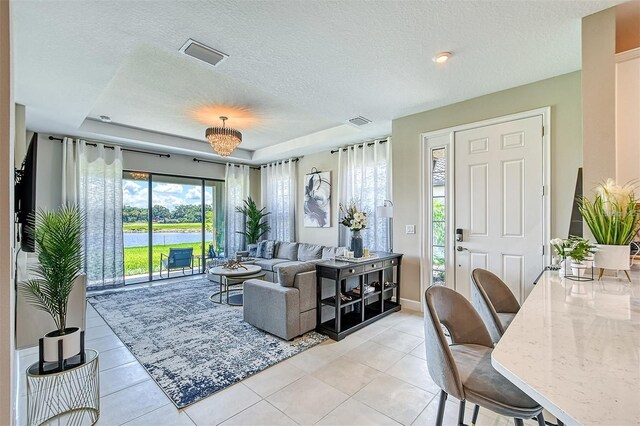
{"x":581,"y":254}
{"x":58,"y":237}
{"x":613,"y":219}
{"x":356,"y":221}
{"x":255,"y":224}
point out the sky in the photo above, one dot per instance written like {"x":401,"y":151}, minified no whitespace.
{"x":134,"y":193}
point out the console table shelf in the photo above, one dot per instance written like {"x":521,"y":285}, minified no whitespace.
{"x":338,"y":277}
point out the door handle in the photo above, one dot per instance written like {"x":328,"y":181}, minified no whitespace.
{"x":460,"y":248}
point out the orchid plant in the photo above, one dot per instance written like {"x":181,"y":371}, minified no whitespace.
{"x":613,"y":215}
{"x":352,"y":218}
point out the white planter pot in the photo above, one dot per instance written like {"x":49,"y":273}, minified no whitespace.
{"x":578,"y":269}
{"x":612,"y":257}
{"x":564,"y":266}
{"x":70,"y":344}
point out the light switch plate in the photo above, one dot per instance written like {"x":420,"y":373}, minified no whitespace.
{"x":410,"y":229}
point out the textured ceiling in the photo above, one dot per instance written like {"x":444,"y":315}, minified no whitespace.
{"x":301,"y":69}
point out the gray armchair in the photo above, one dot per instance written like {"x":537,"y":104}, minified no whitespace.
{"x":494,"y":301}
{"x":287,"y":308}
{"x":463,"y":369}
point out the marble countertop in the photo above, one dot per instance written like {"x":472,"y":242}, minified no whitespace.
{"x":575,"y":348}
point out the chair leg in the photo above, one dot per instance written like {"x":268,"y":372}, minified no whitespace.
{"x":441,"y":404}
{"x":518,"y":422}
{"x":476,"y":411}
{"x":540,"y":419}
{"x":461,"y":413}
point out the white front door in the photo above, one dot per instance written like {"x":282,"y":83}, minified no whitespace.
{"x":499,"y":206}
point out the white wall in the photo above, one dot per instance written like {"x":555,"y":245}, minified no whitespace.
{"x":326,"y":162}
{"x":598,"y":98}
{"x":7,"y":240}
{"x":628,"y":117}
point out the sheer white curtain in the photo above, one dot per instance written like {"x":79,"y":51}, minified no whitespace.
{"x":236,"y":190}
{"x":279,"y":191}
{"x":364,"y":176}
{"x":92,"y":180}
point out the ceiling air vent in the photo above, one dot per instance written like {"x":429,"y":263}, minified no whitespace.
{"x":202,"y":52}
{"x":359,"y":121}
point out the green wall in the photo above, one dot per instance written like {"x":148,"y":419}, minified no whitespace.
{"x":562,"y":94}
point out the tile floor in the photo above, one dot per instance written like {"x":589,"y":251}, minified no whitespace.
{"x":376,"y":376}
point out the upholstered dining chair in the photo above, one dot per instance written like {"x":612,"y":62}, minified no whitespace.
{"x":463,"y":369}
{"x":494,"y":301}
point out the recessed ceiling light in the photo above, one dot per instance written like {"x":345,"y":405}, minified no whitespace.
{"x":105,"y":119}
{"x":441,"y":57}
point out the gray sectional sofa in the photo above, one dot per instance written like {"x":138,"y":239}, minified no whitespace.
{"x":284,"y":304}
{"x":288,"y":254}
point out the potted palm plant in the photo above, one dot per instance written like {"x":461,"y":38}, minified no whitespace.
{"x":255,"y":225}
{"x":58,"y":237}
{"x":613,"y":218}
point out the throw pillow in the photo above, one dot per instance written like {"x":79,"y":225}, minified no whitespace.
{"x":328,"y":253}
{"x":287,"y":251}
{"x":253,"y":250}
{"x":309,"y":252}
{"x":260,"y":248}
{"x":269,"y":248}
{"x":287,"y":274}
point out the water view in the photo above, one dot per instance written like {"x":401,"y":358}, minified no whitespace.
{"x":138,"y":239}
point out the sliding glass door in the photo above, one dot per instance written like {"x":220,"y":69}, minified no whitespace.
{"x":171,"y":225}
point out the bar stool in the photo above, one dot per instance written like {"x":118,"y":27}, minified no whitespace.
{"x":494,"y":301}
{"x":464,"y":369}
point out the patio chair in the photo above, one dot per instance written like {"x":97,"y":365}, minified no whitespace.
{"x":177,"y":259}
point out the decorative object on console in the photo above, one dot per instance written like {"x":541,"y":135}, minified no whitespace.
{"x":355,"y":220}
{"x":255,"y":226}
{"x":58,"y":237}
{"x":317,"y":199}
{"x":386,"y":211}
{"x":613,"y":218}
{"x":223,"y":139}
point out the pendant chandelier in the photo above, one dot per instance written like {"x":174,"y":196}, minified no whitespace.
{"x":223,"y":139}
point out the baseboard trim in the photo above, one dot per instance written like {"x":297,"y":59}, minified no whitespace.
{"x":414,"y":305}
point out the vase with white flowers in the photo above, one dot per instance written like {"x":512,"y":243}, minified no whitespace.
{"x":356,"y":221}
{"x":612,"y":216}
{"x":562,"y":247}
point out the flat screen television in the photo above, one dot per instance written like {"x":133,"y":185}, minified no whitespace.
{"x":25,"y":195}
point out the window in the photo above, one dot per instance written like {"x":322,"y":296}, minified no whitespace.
{"x":161,"y":213}
{"x":365,"y":177}
{"x":438,"y":215}
{"x":278,"y":182}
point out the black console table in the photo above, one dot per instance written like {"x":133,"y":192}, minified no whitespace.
{"x":357,"y":310}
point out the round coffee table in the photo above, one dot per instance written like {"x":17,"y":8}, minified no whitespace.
{"x":231,"y":280}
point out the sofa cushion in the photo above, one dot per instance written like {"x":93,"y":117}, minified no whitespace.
{"x":287,"y":251}
{"x":285,"y":263}
{"x":268,"y":264}
{"x":309,"y":251}
{"x":266,"y":249}
{"x":332,"y":252}
{"x":287,"y":274}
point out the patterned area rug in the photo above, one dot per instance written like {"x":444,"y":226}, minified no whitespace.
{"x":191,"y":346}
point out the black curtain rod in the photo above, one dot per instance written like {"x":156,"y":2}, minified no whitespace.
{"x":280,"y":162}
{"x":51,"y":138}
{"x":198,"y":160}
{"x":359,"y":146}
